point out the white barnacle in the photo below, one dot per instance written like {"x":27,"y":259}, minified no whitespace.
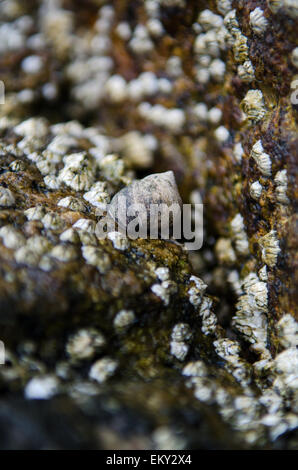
{"x":200,"y":110}
{"x":231,"y":23}
{"x":263,"y":275}
{"x":209,"y":319}
{"x":162,"y":273}
{"x":35,"y":213}
{"x":240,"y":48}
{"x":51,"y":157}
{"x":116,"y":89}
{"x":152,"y":8}
{"x":196,"y":292}
{"x":149,"y":83}
{"x":174,"y":119}
{"x":17,"y":165}
{"x":112,"y":167}
{"x":202,"y":75}
{"x":253,"y":105}
{"x":13,"y":149}
{"x":221,"y":134}
{"x":64,"y":253}
{"x":32,"y":127}
{"x":294,"y":57}
{"x":123,"y":30}
{"x":11,"y":237}
{"x":271,"y":400}
{"x":259,"y":292}
{"x":174,"y":66}
{"x":224,"y":251}
{"x":32,"y":64}
{"x":124,"y":318}
{"x":26,"y":255}
{"x":224,"y":6}
{"x":102,"y":369}
{"x":35,"y":157}
{"x":286,"y":362}
{"x":49,"y":91}
{"x":251,"y":321}
{"x":258,"y":21}
{"x":87,"y":225}
{"x":45,"y":167}
{"x":61,"y":143}
{"x":223,"y":38}
{"x":77,"y":172}
{"x":256,"y":190}
{"x":72,"y":203}
{"x":246,"y":71}
{"x":214,"y":115}
{"x":164,"y":290}
{"x":52,"y":182}
{"x":26,"y":96}
{"x":87,"y":238}
{"x":38,"y":244}
{"x":96,"y":257}
{"x":270,"y":248}
{"x":140,"y":42}
{"x":211,"y":43}
{"x":120,"y":242}
{"x":46,"y":263}
{"x":209,"y":20}
{"x":7,"y":198}
{"x":281,"y":182}
{"x":41,"y":388}
{"x":66,"y":129}
{"x":98,"y":195}
{"x":29,"y":145}
{"x":261,"y":158}
{"x":76,"y":160}
{"x":217,"y":70}
{"x":181,"y":332}
{"x":206,"y":44}
{"x":238,"y":152}
{"x":85,"y":343}
{"x":203,"y":60}
{"x":164,"y":85}
{"x":239,"y":234}
{"x":136,"y":151}
{"x":53,"y":221}
{"x":233,"y":279}
{"x":195,"y":369}
{"x":287,"y":329}
{"x":227,"y":349}
{"x":289,"y":6}
{"x":70,"y":235}
{"x":135,"y":90}
{"x":179,"y":350}
{"x":204,"y":389}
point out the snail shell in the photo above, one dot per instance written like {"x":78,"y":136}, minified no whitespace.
{"x":158,"y":188}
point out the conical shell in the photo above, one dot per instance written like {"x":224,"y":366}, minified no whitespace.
{"x":158,"y":188}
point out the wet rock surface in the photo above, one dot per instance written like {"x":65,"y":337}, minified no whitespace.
{"x":128,"y":344}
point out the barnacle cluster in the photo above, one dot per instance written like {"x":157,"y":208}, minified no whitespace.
{"x":143,"y":88}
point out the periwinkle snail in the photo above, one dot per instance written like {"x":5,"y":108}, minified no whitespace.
{"x":139,"y":199}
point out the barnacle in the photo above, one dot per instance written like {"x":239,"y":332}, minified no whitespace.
{"x":253,"y":105}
